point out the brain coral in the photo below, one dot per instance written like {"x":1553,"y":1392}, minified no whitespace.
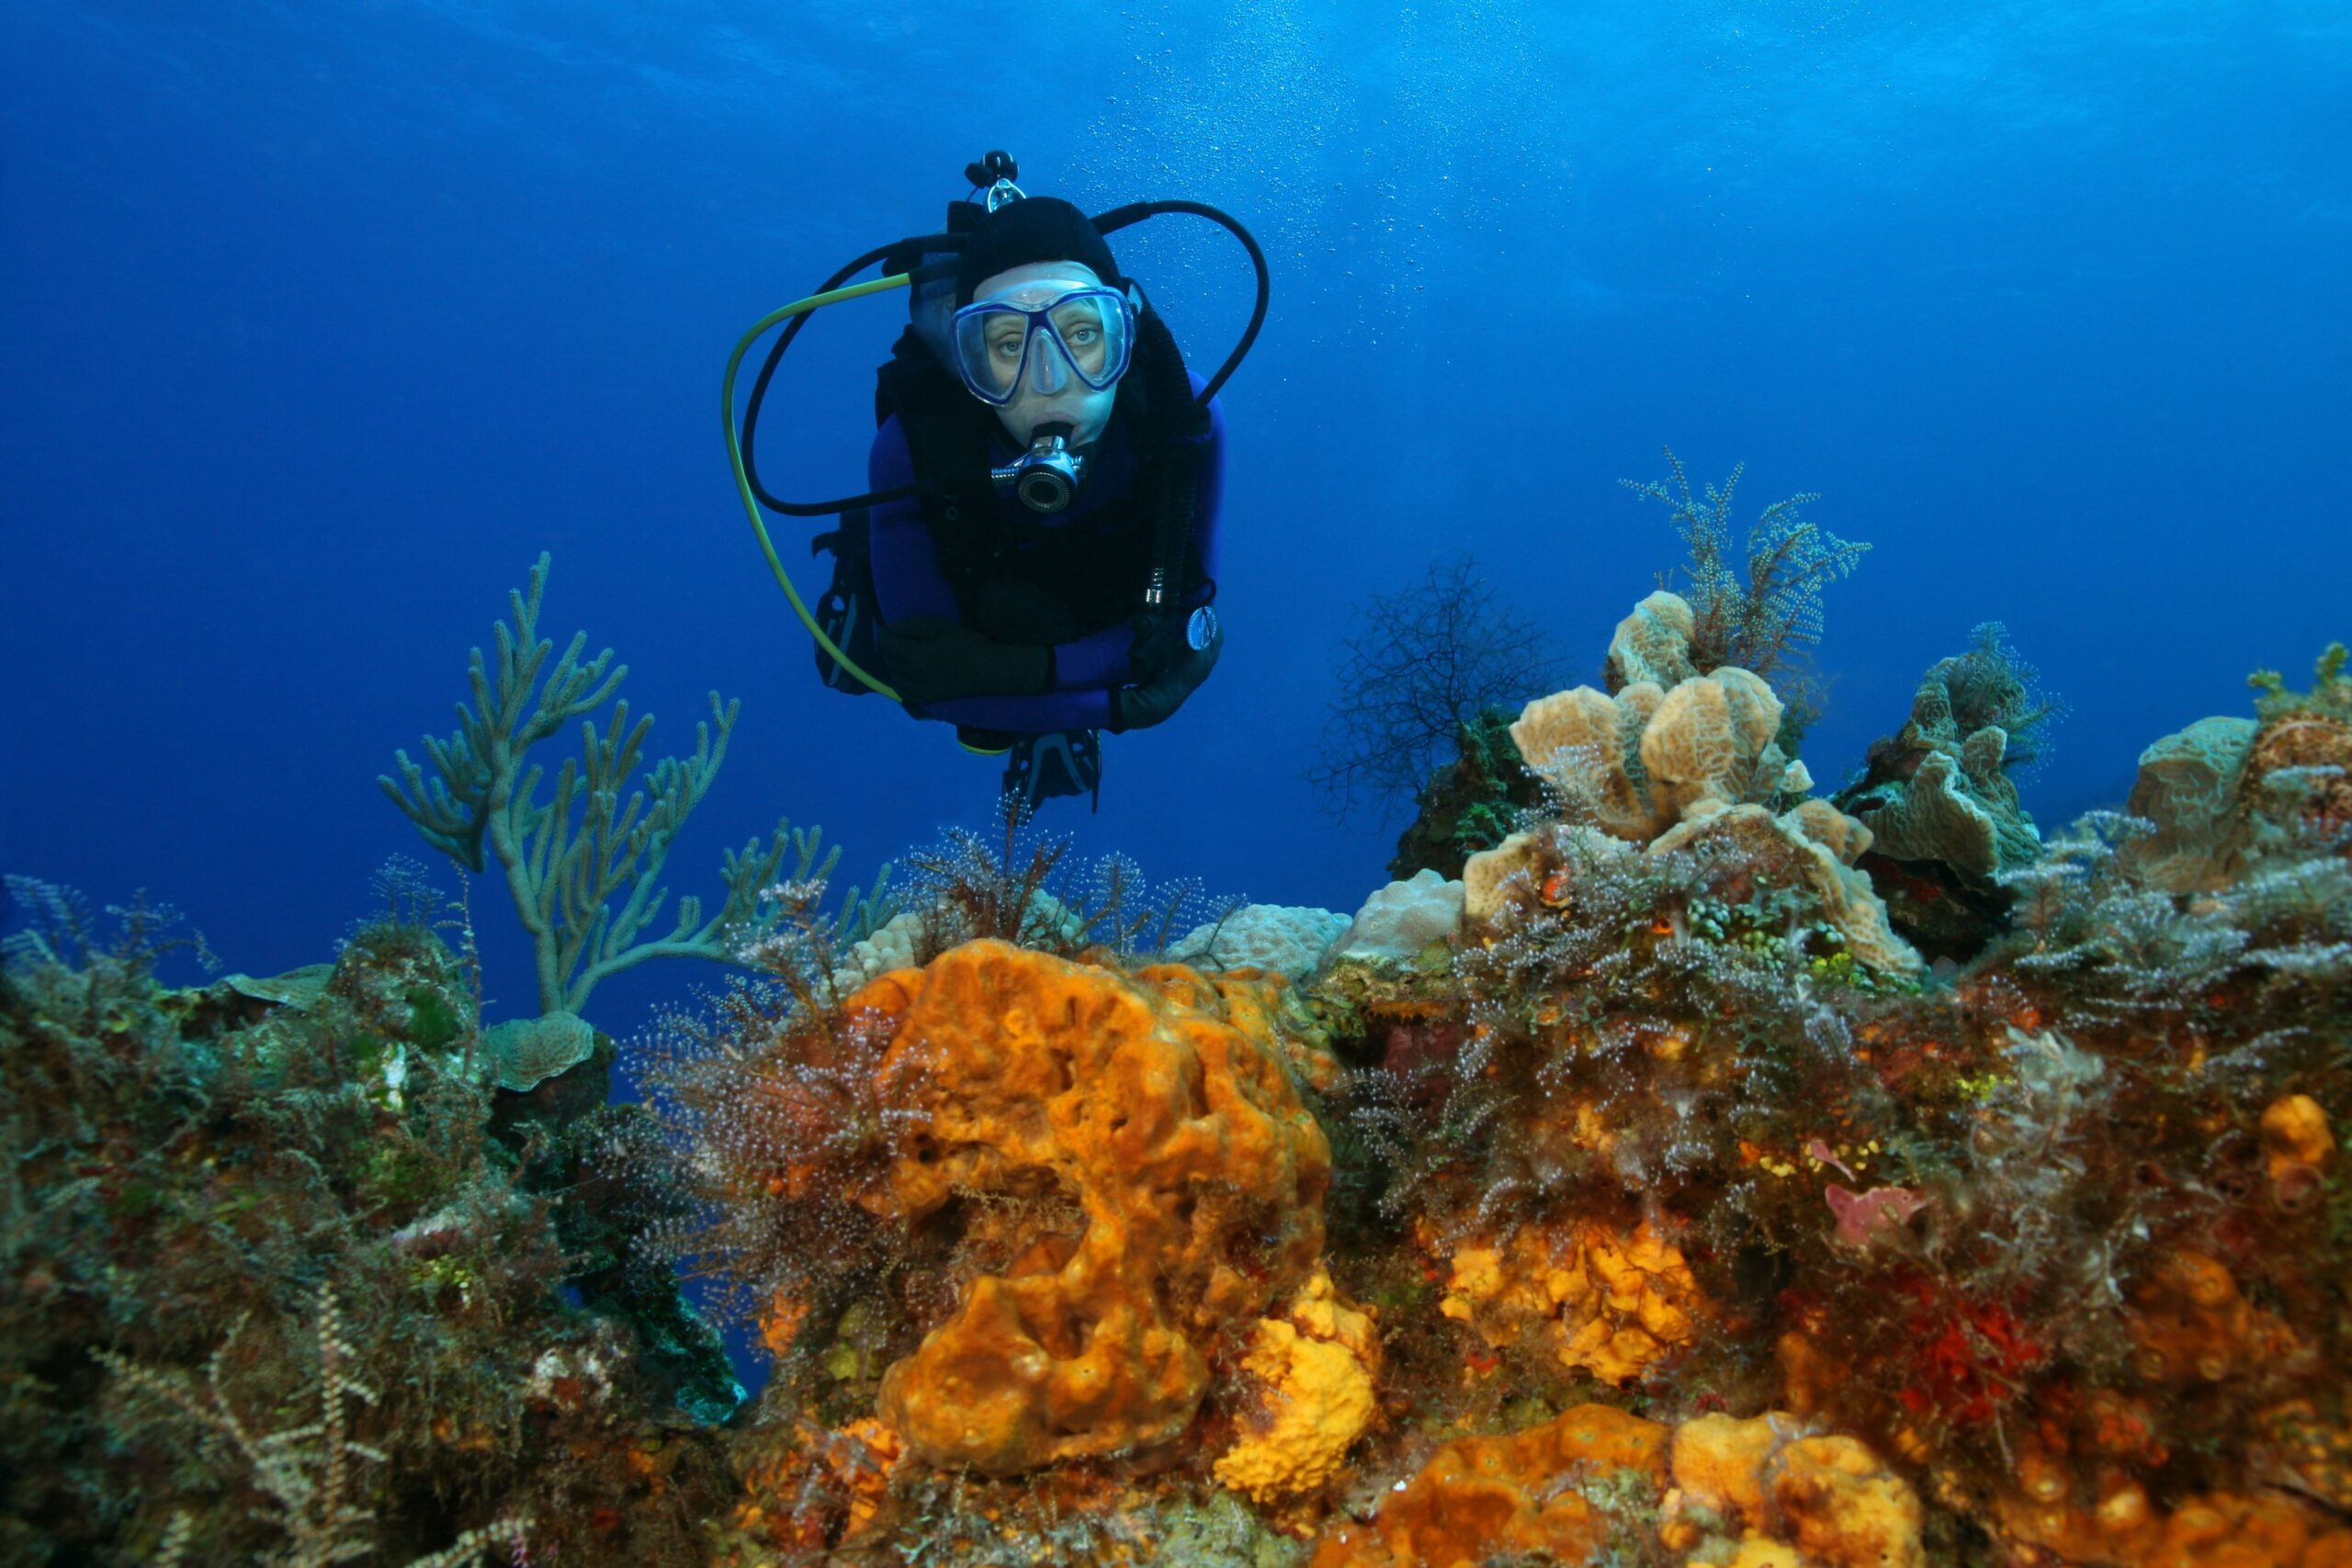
{"x":1280,"y":939}
{"x":1155,"y":1114}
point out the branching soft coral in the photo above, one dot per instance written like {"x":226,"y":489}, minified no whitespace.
{"x":566,"y":859}
{"x":306,"y":1471}
{"x":1763,"y":615}
{"x":1017,"y":884}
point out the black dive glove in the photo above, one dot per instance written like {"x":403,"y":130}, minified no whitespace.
{"x":1159,"y":644}
{"x":1180,"y":669}
{"x":932,"y":659}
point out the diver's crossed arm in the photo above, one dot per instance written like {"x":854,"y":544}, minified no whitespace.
{"x":1087,"y":671}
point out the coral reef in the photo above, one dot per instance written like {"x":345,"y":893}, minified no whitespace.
{"x":1639,"y":1198}
{"x":274,"y":1289}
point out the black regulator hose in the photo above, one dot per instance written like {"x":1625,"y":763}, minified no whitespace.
{"x":760,"y":392}
{"x":1108,"y":223}
{"x":1136,"y":213}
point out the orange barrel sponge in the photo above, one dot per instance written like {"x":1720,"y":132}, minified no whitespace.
{"x":1177,"y":1180}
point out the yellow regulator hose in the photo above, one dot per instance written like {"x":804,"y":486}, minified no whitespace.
{"x":743,"y":480}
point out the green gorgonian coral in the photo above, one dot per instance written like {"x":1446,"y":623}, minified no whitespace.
{"x":565,"y":858}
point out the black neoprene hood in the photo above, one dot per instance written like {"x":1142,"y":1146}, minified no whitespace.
{"x":1035,"y":229}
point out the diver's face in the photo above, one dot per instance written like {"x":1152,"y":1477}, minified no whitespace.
{"x":1048,"y":393}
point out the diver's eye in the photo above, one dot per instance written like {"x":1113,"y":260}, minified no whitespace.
{"x":1085,"y":337}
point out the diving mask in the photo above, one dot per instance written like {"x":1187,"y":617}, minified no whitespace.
{"x":1005,"y":351}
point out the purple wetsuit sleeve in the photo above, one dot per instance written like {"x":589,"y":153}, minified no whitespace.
{"x":1101,"y":660}
{"x":907,"y":579}
{"x":908,"y":582}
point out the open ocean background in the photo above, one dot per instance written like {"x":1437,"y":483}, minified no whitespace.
{"x":319,"y":321}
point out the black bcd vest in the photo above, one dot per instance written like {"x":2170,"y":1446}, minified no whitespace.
{"x":1101,"y":566}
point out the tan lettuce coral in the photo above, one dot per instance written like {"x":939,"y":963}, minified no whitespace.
{"x":1653,"y":644}
{"x":1589,"y":745}
{"x":1148,"y":1124}
{"x":1712,"y":739}
{"x":2187,"y":788}
{"x":1639,"y":762}
{"x":1666,"y":768}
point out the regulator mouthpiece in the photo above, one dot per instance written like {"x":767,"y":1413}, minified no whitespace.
{"x":1047,"y":476}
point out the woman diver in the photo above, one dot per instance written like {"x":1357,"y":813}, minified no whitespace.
{"x":1037,"y":559}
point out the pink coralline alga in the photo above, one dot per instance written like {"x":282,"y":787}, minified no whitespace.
{"x":1865,"y":1217}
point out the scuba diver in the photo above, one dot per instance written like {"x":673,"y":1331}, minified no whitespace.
{"x":1035,"y":561}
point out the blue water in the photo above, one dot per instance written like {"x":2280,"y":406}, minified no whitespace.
{"x":318,"y":321}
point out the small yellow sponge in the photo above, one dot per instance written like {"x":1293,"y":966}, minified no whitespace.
{"x":1314,"y":1371}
